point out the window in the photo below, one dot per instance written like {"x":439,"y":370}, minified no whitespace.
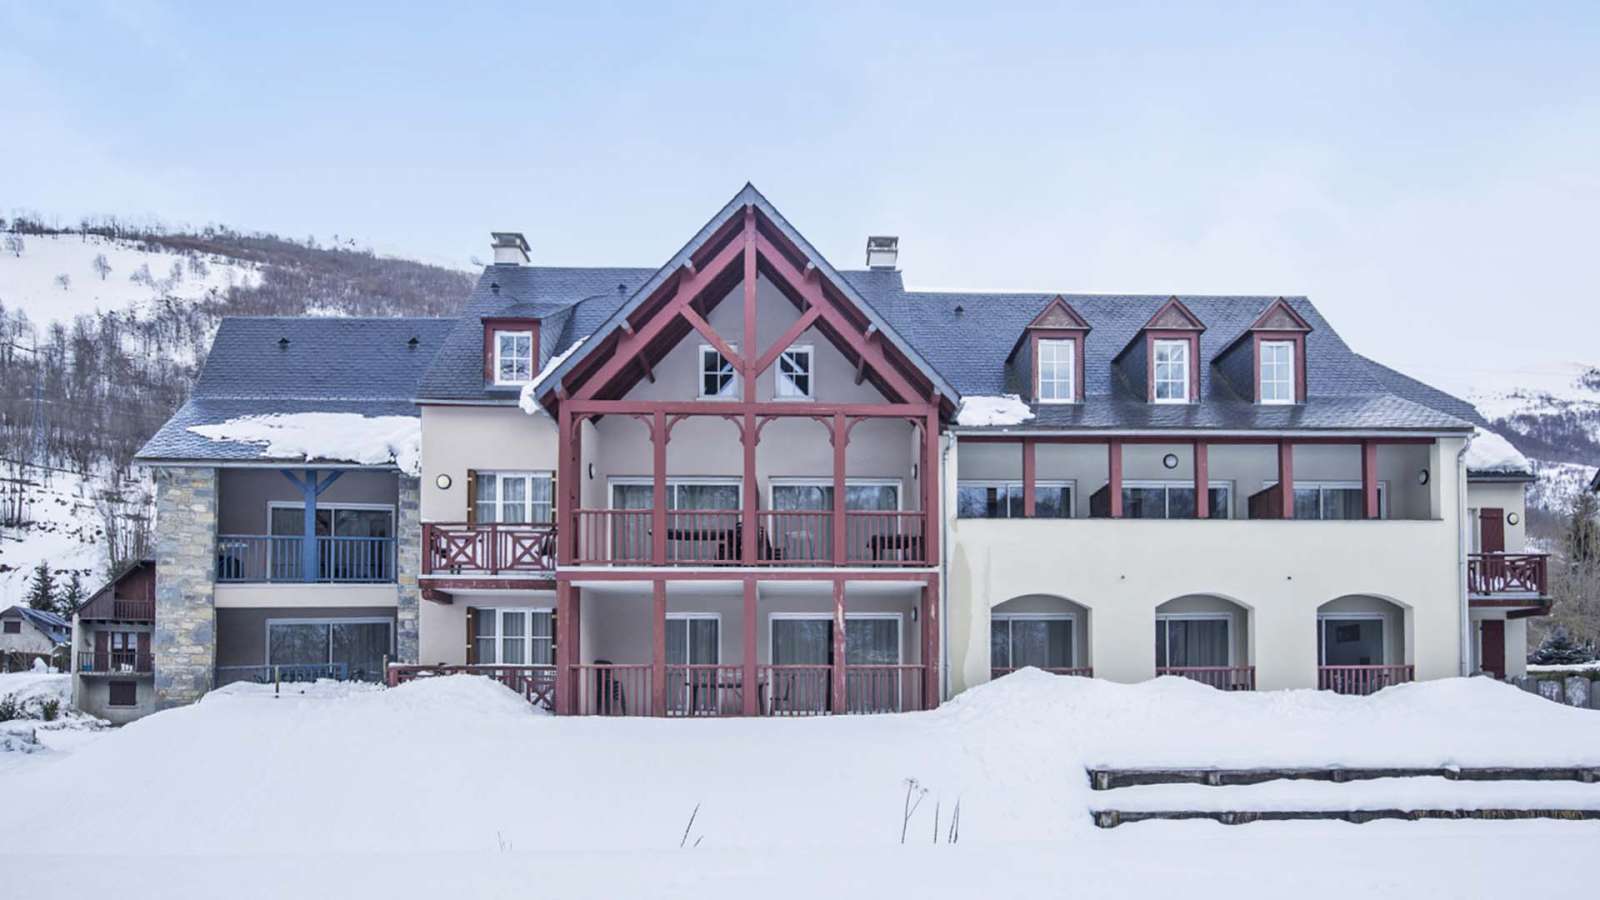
{"x":515,"y":497}
{"x":1056,"y":371}
{"x":794,"y":374}
{"x":1335,"y":500}
{"x":1277,"y":372}
{"x":123,"y":693}
{"x":859,"y":494}
{"x":1174,"y":500}
{"x":1172,"y":371}
{"x":717,"y":376}
{"x":871,"y":639}
{"x":1350,"y":640}
{"x":1003,"y":500}
{"x":513,"y":357}
{"x":1184,"y":641}
{"x":1042,"y":641}
{"x":13,"y":626}
{"x":289,"y":520}
{"x":513,"y":637}
{"x":357,"y":644}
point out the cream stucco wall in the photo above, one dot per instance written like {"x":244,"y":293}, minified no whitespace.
{"x":443,"y":626}
{"x":1510,"y":497}
{"x":1281,"y":571}
{"x":458,"y":438}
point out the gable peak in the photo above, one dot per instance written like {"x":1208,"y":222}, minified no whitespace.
{"x":1058,"y":313}
{"x":1280,"y":316}
{"x":1174,"y":315}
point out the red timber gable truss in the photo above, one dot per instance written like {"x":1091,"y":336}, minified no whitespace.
{"x":747,"y":241}
{"x":1279,"y":322}
{"x":1172,"y":322}
{"x":1058,"y":321}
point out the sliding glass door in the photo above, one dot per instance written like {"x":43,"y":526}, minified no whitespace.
{"x":318,"y":647}
{"x":695,"y":639}
{"x":1193,"y":642}
{"x":870,"y":640}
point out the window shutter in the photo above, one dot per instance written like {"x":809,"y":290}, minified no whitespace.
{"x":472,"y":635}
{"x":472,"y":497}
{"x":144,"y":644}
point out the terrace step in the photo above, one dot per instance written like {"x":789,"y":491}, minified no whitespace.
{"x":1111,"y":779}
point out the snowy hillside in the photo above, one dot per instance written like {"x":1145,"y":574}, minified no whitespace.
{"x":54,"y":277}
{"x":65,"y":530}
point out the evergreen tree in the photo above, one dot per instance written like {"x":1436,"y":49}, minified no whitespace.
{"x":1559,"y":649}
{"x":72,"y":596}
{"x":42,"y":593}
{"x":1582,"y":536}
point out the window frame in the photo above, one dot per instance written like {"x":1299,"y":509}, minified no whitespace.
{"x":898,"y":618}
{"x":1071,"y":484}
{"x":1225,"y":618}
{"x":499,"y":336}
{"x":330,"y":621}
{"x":332,"y":508}
{"x":12,"y":626}
{"x":526,"y":475}
{"x":1166,"y":497}
{"x":674,"y":482}
{"x":1070,"y":364}
{"x":528,"y":638}
{"x":1156,"y":345}
{"x":1322,"y":632}
{"x":779,"y":379}
{"x":688,"y":639}
{"x":1335,"y":485}
{"x":1011,"y":651}
{"x":1291,"y":379}
{"x":733,"y":389}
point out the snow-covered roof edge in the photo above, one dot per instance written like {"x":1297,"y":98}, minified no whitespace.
{"x":1489,"y":453}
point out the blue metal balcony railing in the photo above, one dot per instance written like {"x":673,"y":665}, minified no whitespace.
{"x":269,"y":559}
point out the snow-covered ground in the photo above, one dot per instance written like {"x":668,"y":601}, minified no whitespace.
{"x":456,"y":787}
{"x":32,"y":740}
{"x":65,"y":531}
{"x":29,"y":281}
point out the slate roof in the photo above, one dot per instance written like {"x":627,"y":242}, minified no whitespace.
{"x":367,"y":366}
{"x":55,"y":627}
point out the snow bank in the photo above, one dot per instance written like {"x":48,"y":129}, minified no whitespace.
{"x":1491,"y":452}
{"x":1378,"y":793}
{"x":1006,"y":409}
{"x":30,"y":732}
{"x":347,"y":437}
{"x":529,"y":400}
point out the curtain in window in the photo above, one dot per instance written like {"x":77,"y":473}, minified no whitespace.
{"x":872,"y":642}
{"x":513,"y":637}
{"x":1000,"y":644}
{"x":1046,"y":643}
{"x":797,"y":642}
{"x":542,"y":630}
{"x":484,"y":638}
{"x":1192,"y":642}
{"x":630,"y":536}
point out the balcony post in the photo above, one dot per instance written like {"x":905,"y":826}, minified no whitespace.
{"x":1202,"y":480}
{"x":658,"y":647}
{"x":1369,"y":479}
{"x":658,"y":491}
{"x":566,"y":647}
{"x":930,"y":642}
{"x":931,"y":479}
{"x":841,"y":438}
{"x":1286,"y":477}
{"x":1114,"y":476}
{"x":749,"y":435}
{"x":839,"y":648}
{"x":308,"y":541}
{"x":751,"y":689}
{"x":567,"y":431}
{"x":1029,"y":476}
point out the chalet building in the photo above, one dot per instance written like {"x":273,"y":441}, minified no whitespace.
{"x":749,"y":483}
{"x":113,"y":672}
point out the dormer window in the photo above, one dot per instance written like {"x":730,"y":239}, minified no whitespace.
{"x":1171,"y":375}
{"x":1277,"y":372}
{"x":1057,"y":370}
{"x":513,"y":357}
{"x":718,"y":379}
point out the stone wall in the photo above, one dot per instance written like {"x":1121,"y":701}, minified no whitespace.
{"x":408,"y":566}
{"x":186,"y":559}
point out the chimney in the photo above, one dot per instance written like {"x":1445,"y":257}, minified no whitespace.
{"x":510,"y":248}
{"x":882,"y":251}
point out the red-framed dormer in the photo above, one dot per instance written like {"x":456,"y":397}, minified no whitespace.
{"x":514,"y":361}
{"x":1165,"y":355}
{"x":1267,"y":361}
{"x":1056,"y":332}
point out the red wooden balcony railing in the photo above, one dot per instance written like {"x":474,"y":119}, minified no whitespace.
{"x":708,"y":537}
{"x":114,"y":662}
{"x":609,"y":689}
{"x":1362,"y":680}
{"x":1226,"y":678}
{"x":705,"y":690}
{"x":1524,"y":574}
{"x":795,"y":690}
{"x":488,"y":548}
{"x":882,"y":688}
{"x":1081,"y":671}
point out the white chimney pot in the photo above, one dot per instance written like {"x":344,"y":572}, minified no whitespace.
{"x":882,"y":251}
{"x":510,"y":248}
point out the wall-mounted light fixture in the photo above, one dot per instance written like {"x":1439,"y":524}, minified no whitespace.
{"x":443,"y":481}
{"x":1422,"y":476}
{"x":914,"y":472}
{"x":1513,"y":518}
{"x":591,"y":471}
{"x":1170,"y":460}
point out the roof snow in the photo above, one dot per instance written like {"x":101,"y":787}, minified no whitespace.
{"x":1006,"y":409}
{"x":347,"y":437}
{"x":1492,"y":453}
{"x":529,"y":401}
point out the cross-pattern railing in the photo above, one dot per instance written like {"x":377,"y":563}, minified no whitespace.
{"x":456,"y":548}
{"x":1490,"y":574}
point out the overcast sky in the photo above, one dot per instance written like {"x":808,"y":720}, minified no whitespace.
{"x":1429,"y":175}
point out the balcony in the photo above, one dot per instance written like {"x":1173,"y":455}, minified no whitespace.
{"x":1362,"y":680}
{"x":1510,"y":576}
{"x":870,"y":538}
{"x":114,"y":662}
{"x":275,"y":559}
{"x":488,"y":549}
{"x":119,"y":610}
{"x":1223,"y":678}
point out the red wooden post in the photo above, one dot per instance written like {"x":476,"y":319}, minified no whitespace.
{"x":1114,"y":481}
{"x":1202,"y":481}
{"x":841,"y":437}
{"x":1286,"y":477}
{"x":751,"y":689}
{"x":566,"y":509}
{"x":839,"y":655}
{"x":930,"y":643}
{"x":1369,"y":478}
{"x":931,"y":482}
{"x":1028,"y":477}
{"x":658,"y":648}
{"x":566,"y":647}
{"x":750,"y":351}
{"x":658,"y":502}
{"x":748,"y":437}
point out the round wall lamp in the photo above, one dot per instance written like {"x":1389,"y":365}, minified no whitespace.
{"x":1422,"y":476}
{"x":443,"y":481}
{"x":591,"y":471}
{"x":1170,"y":460}
{"x":1513,"y":518}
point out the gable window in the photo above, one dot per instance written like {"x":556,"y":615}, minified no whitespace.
{"x":13,"y":626}
{"x":513,"y":357}
{"x":514,"y":497}
{"x":1277,"y":372}
{"x":1171,"y":371}
{"x":1173,"y":500}
{"x":1056,"y":371}
{"x":717,"y":376}
{"x":794,"y":374}
{"x":1004,"y":500}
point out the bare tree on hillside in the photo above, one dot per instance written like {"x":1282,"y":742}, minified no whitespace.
{"x":102,"y":266}
{"x":64,"y":281}
{"x":14,"y":244}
